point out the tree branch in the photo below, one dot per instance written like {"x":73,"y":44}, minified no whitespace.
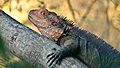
{"x":29,"y":45}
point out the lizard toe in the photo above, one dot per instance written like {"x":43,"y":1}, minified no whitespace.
{"x":55,"y":58}
{"x":54,"y":61}
{"x":54,"y":49}
{"x":52,"y":56}
{"x":49,"y":55}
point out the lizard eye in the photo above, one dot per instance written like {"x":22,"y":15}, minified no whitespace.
{"x":42,"y":13}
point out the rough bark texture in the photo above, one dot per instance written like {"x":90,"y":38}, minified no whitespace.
{"x":29,"y":45}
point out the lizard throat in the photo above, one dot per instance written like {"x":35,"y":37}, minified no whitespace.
{"x":52,"y":33}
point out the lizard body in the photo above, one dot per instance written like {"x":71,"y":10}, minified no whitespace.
{"x":76,"y":42}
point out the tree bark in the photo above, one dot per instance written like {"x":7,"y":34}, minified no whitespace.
{"x":29,"y":45}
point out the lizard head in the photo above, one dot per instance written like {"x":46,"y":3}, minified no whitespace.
{"x":48,"y":23}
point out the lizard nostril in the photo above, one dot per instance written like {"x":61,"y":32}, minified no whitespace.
{"x":31,"y":11}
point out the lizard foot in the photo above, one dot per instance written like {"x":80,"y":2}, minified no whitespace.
{"x":55,"y":57}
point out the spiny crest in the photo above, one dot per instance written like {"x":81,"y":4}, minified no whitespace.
{"x":68,"y":21}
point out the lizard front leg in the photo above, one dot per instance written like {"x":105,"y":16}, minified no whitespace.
{"x":69,"y":50}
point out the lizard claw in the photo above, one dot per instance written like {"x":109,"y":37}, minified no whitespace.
{"x":55,"y":58}
{"x":54,"y":49}
{"x":54,"y":61}
{"x":51,"y":53}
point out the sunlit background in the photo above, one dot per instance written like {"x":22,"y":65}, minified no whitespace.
{"x":101,"y":17}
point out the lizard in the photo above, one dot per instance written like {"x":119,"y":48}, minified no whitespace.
{"x":74,"y":41}
{"x":29,"y":46}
